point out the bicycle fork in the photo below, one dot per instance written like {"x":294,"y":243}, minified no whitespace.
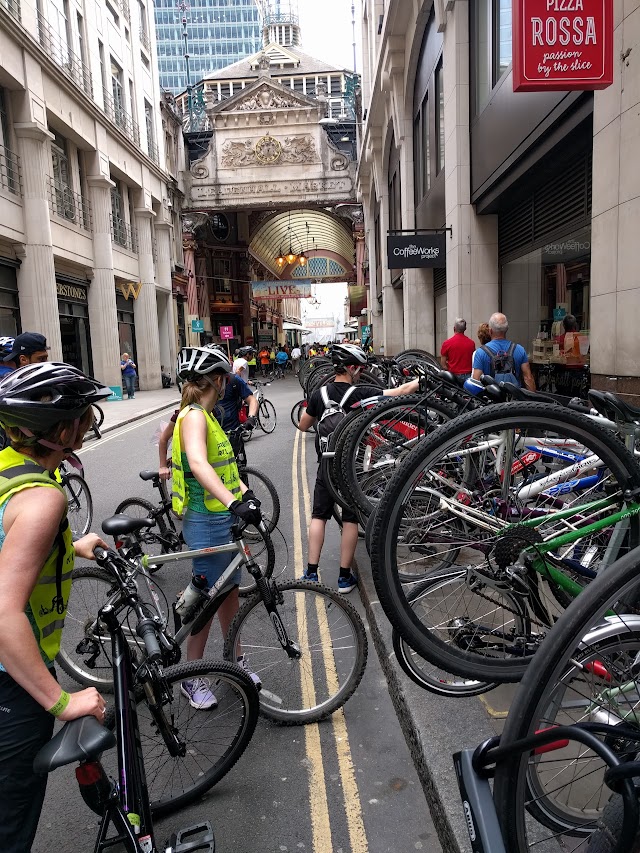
{"x":270,"y":602}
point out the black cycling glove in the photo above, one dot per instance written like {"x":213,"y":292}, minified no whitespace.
{"x":251,"y":422}
{"x":248,"y":511}
{"x":249,"y":496}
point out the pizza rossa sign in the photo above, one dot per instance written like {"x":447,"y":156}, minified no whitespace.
{"x":562,"y":45}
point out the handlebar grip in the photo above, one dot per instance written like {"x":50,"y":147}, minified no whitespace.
{"x":147,"y":632}
{"x":100,"y":553}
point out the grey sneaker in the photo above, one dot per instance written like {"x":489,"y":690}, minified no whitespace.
{"x":199,"y":694}
{"x":244,"y":663}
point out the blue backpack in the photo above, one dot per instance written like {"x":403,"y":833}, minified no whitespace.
{"x":503,"y":364}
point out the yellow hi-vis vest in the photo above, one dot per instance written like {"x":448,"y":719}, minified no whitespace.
{"x":220,"y":457}
{"x":48,"y":601}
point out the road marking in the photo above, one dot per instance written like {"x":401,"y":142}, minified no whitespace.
{"x":352,"y":804}
{"x":493,"y":712}
{"x":116,"y":433}
{"x":319,"y":808}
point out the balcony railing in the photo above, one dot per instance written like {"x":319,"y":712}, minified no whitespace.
{"x":121,"y":119}
{"x":153,"y":151}
{"x":124,"y":6}
{"x":123,"y":234}
{"x":62,"y":55}
{"x":12,"y":7}
{"x":68,"y":205}
{"x":144,"y":40}
{"x":10,"y":171}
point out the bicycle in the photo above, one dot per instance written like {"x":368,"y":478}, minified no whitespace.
{"x":128,"y":803}
{"x":267,"y":417}
{"x":289,"y":630}
{"x":79,"y":500}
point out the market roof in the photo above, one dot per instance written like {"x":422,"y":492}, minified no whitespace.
{"x":283,"y":60}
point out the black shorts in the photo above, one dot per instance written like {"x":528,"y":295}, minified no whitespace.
{"x":323,"y":503}
{"x":24,"y":729}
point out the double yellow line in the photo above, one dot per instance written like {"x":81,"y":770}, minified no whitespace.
{"x":319,"y":807}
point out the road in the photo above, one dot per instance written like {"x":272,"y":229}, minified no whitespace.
{"x":346,"y":785}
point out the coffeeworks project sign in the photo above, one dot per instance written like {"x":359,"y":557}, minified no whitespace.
{"x":562,"y":45}
{"x":417,"y":250}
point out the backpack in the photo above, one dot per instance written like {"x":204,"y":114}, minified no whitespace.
{"x":503,"y":364}
{"x":332,"y":416}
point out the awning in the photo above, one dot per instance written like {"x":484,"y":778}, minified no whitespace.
{"x":292,"y":327}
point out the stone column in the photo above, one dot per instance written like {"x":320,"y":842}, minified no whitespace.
{"x":103,"y":317}
{"x":472,"y":247}
{"x":189,"y":248}
{"x":37,"y":277}
{"x":163,"y":269}
{"x":419,"y":324}
{"x":145,"y":308}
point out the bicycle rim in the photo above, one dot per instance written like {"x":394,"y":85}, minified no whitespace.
{"x":333,"y":651}
{"x":267,"y":416}
{"x":79,"y":505}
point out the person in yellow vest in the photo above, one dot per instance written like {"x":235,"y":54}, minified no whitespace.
{"x":208,"y":492}
{"x":45,"y":410}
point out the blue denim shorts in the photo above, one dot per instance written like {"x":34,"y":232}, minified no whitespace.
{"x":205,"y":530}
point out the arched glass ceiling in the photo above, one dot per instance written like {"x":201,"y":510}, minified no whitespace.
{"x":324,"y":232}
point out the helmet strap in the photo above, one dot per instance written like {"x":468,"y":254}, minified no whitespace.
{"x":50,"y":444}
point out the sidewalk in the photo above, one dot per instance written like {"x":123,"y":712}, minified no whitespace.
{"x":119,"y":412}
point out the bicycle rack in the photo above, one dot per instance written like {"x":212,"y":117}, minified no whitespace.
{"x":198,"y":838}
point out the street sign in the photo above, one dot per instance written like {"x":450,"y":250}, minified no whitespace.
{"x":226,"y":333}
{"x":408,"y":251}
{"x":197,"y":325}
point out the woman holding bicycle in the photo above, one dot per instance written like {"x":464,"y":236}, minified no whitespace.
{"x":208,"y":491}
{"x":45,"y":410}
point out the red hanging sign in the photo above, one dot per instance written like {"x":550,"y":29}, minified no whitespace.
{"x":562,"y":45}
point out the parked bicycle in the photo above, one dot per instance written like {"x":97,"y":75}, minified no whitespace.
{"x":267,"y":417}
{"x":79,"y":500}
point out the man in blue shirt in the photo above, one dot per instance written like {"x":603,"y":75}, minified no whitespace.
{"x":499,"y":325}
{"x":237,"y":392}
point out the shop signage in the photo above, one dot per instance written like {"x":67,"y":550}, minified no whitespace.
{"x":130,"y":289}
{"x":197,"y":325}
{"x":226,"y":333}
{"x":562,"y":45}
{"x":408,"y":251}
{"x":281,"y":290}
{"x":71,"y":291}
{"x":265,"y":337}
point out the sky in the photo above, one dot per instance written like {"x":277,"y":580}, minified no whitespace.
{"x":330,"y":296}
{"x":327,"y":32}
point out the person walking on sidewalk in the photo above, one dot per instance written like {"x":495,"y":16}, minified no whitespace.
{"x":296,"y":355}
{"x":349,"y":360}
{"x":128,"y":369}
{"x":457,"y":351}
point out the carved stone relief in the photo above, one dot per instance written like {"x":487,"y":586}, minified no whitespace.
{"x":265,"y":98}
{"x":267,"y":151}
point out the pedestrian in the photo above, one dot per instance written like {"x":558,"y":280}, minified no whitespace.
{"x":272,"y":357}
{"x":46,"y":411}
{"x":208,"y":492}
{"x":263,"y":355}
{"x":456,"y":353}
{"x":504,"y":360}
{"x":349,"y":360}
{"x":281,"y":359}
{"x":252,"y":363}
{"x":128,"y":368}
{"x":6,"y":349}
{"x":483,"y":334}
{"x":28,"y":348}
{"x":296,"y":355}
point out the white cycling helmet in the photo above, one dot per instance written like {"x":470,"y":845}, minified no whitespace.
{"x":199,"y":361}
{"x":348,"y":354}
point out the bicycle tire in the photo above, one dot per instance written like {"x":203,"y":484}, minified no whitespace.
{"x":267,"y":417}
{"x":297,"y":411}
{"x":79,"y":504}
{"x":392,"y":506}
{"x":581,"y":629}
{"x":209,"y":756}
{"x":270,"y":509}
{"x":98,"y":415}
{"x":321,"y":613}
{"x":607,"y":832}
{"x":153,"y":543}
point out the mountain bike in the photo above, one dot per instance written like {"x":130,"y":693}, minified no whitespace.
{"x":128,"y":805}
{"x":505,"y":514}
{"x":305,"y":642}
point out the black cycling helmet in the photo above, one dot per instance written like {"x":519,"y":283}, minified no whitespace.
{"x":36,"y":397}
{"x":243,"y":352}
{"x":343,"y":355}
{"x":199,"y":361}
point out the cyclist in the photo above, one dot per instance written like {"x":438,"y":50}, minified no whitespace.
{"x":46,"y":410}
{"x":6,"y":348}
{"x":349,"y":360}
{"x":208,"y":490}
{"x":263,"y":355}
{"x":281,"y":360}
{"x":28,"y":348}
{"x":237,"y":392}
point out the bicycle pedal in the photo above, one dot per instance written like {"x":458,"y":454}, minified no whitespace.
{"x":198,"y":838}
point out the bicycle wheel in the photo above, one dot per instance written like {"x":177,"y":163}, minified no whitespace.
{"x":265,"y":491}
{"x":90,"y":589}
{"x":297,"y":411}
{"x":98,"y":415}
{"x":153,"y":540}
{"x":80,"y":504}
{"x":267,"y":416}
{"x":586,"y":671}
{"x":332,"y":647}
{"x":486,"y":492}
{"x":213,"y":739}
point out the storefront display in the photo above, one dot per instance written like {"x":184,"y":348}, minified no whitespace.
{"x":74,"y":322}
{"x":9,"y":310}
{"x":126,"y":325}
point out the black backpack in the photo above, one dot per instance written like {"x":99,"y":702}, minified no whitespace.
{"x":503,"y":364}
{"x":331,"y":417}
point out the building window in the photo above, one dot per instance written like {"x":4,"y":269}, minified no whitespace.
{"x":221,"y":270}
{"x":152,"y":148}
{"x":439,"y":118}
{"x":492,"y":46}
{"x":422,"y":151}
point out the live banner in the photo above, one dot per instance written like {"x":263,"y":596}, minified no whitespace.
{"x":281,"y":289}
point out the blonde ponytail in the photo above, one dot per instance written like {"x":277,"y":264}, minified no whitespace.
{"x":192,"y":392}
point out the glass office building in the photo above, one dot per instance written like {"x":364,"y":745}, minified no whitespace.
{"x":220,"y":32}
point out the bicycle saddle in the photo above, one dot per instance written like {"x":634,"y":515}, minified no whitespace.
{"x":119,"y":525}
{"x":78,"y":740}
{"x":513,"y":392}
{"x":148,"y":475}
{"x":614,"y":407}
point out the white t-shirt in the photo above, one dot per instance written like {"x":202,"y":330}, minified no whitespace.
{"x":295,"y":353}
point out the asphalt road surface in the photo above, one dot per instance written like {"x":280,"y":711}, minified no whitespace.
{"x":345,"y":785}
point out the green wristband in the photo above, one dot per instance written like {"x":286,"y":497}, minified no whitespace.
{"x":61,"y":704}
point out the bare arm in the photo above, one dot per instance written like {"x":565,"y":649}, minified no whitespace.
{"x":252,"y":400}
{"x":31,"y":521}
{"x":444,"y":361}
{"x":306,"y":422}
{"x":407,"y":388}
{"x":194,"y":440}
{"x":476,"y":373}
{"x":527,"y":376}
{"x":163,"y":446}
